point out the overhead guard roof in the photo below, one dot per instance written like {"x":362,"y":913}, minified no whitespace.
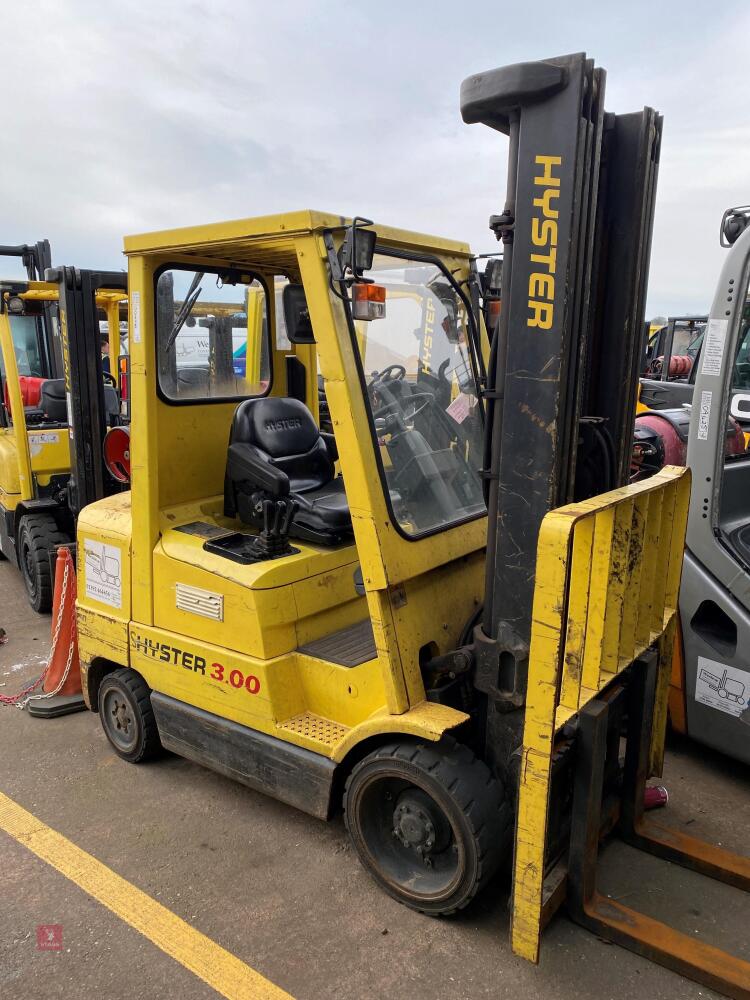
{"x":243,"y":241}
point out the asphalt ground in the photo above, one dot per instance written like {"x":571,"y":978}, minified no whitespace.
{"x":284,"y":893}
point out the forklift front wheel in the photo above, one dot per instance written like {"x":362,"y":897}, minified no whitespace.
{"x":429,"y":823}
{"x":127,"y":716}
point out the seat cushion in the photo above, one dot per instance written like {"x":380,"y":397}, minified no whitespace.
{"x":323,"y":514}
{"x":328,"y":503}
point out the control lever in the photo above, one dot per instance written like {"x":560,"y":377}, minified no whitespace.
{"x":276,"y":516}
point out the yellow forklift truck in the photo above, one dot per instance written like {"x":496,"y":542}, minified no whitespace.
{"x":51,"y":385}
{"x":444,"y":614}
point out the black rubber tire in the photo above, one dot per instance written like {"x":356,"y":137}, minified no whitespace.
{"x":127,"y":717}
{"x":38,"y":535}
{"x":471,"y":800}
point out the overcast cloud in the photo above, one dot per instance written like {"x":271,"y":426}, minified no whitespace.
{"x":127,"y":117}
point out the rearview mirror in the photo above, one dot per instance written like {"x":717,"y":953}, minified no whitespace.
{"x":358,"y":248}
{"x":297,"y":315}
{"x":492,"y":277}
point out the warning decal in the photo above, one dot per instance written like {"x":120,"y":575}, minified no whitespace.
{"x":722,"y":687}
{"x":135,"y":316}
{"x":713,"y":346}
{"x":103,"y":570}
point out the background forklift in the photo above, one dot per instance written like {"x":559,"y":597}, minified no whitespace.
{"x":445,"y":613}
{"x":55,"y":412}
{"x":710,"y":688}
{"x":674,"y":361}
{"x":670,"y":354}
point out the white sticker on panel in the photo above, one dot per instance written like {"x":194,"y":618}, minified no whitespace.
{"x":713,"y":346}
{"x":103,"y":569}
{"x":135,"y":312}
{"x":722,"y":687}
{"x":37,"y":442}
{"x":704,"y":415}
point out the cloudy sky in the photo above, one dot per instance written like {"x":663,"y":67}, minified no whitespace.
{"x":131,"y":116}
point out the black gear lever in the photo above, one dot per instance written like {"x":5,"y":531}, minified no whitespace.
{"x":277,"y":516}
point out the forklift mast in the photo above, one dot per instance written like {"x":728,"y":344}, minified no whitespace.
{"x":564,"y":360}
{"x":84,"y":381}
{"x":36,"y":258}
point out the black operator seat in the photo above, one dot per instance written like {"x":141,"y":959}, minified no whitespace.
{"x":281,"y":433}
{"x":53,"y":402}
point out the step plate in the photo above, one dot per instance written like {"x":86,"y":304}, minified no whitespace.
{"x":315,"y":727}
{"x":348,"y":647}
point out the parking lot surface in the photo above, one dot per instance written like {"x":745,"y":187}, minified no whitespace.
{"x":284,"y":893}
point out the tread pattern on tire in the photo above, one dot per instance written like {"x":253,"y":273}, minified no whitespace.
{"x":469,"y":782}
{"x":43,"y":535}
{"x":141,"y":694}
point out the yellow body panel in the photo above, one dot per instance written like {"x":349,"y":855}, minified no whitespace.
{"x":603,"y":595}
{"x":49,"y":453}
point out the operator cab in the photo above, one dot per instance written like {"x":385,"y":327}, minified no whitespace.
{"x":224,"y":337}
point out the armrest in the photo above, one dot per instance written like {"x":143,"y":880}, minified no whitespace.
{"x":246,"y":463}
{"x":330,"y":443}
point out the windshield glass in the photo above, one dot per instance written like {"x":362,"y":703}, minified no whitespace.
{"x":24,"y":330}
{"x":423,"y":396}
{"x":212,"y":337}
{"x":687,"y":336}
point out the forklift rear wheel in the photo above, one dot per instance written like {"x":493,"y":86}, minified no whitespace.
{"x":38,"y":535}
{"x":429,"y":823}
{"x":127,"y":716}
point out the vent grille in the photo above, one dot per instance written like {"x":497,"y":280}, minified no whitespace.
{"x":315,"y":727}
{"x":200,"y":602}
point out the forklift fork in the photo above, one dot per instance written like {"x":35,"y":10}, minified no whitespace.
{"x":608,"y":918}
{"x":605,"y":600}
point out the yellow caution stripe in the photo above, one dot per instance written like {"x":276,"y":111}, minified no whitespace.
{"x":223,"y":971}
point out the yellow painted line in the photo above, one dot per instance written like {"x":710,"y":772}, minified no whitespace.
{"x":223,"y":971}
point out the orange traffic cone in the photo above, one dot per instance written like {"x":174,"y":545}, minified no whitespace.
{"x":62,"y":691}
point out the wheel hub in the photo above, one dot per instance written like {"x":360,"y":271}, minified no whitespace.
{"x":121,"y":717}
{"x":413,"y":828}
{"x":417,"y":823}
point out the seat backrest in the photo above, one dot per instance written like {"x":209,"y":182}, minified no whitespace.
{"x":193,"y":380}
{"x":111,"y":401}
{"x":284,"y":430}
{"x":52,"y":400}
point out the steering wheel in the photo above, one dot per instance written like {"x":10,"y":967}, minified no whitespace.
{"x":386,"y":374}
{"x":109,"y":379}
{"x":395,"y":407}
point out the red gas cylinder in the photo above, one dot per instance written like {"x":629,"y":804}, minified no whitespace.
{"x":31,"y":388}
{"x":680,"y":365}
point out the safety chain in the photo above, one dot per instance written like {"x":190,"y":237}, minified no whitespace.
{"x":22,"y":699}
